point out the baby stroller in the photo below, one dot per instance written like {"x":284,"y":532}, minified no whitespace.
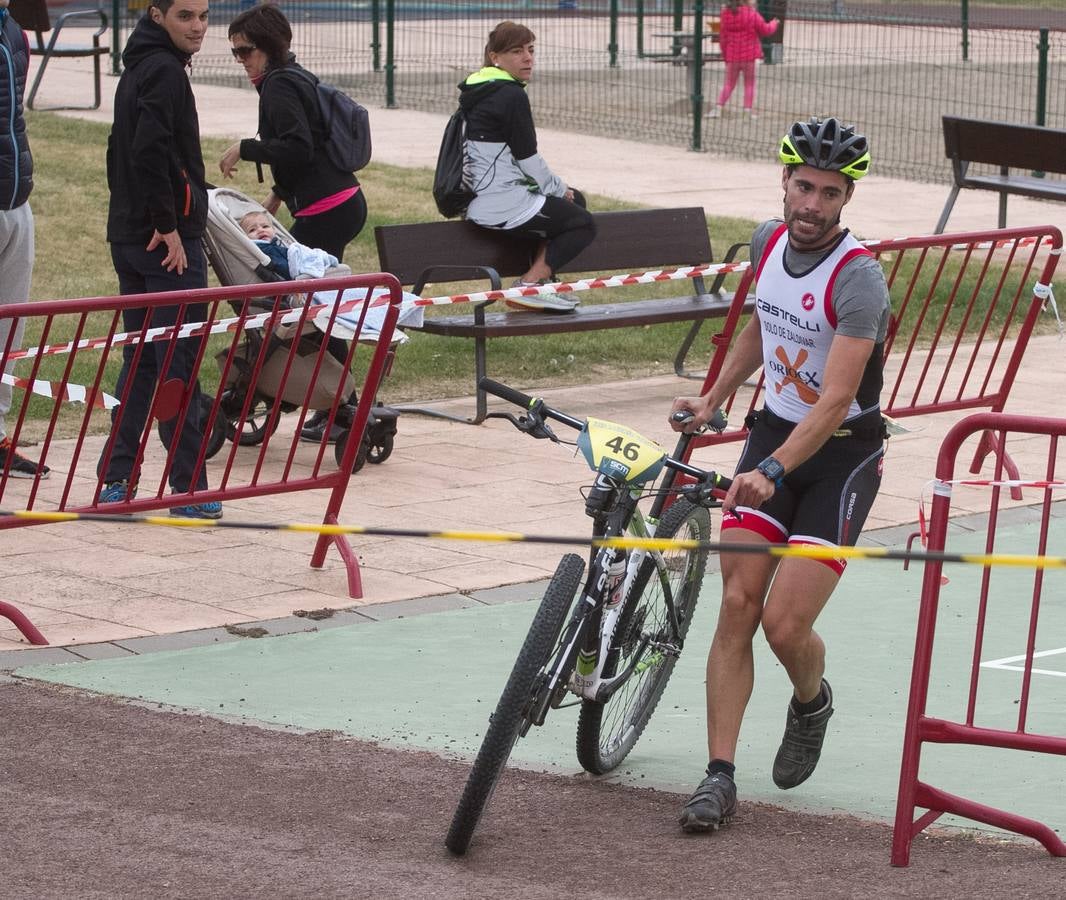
{"x":236,"y":260}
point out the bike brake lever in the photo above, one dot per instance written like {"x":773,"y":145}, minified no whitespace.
{"x":717,"y":424}
{"x":531,"y":424}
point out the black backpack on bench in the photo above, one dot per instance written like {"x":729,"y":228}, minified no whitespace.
{"x":450,"y":190}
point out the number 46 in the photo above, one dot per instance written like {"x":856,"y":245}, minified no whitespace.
{"x":630,"y":450}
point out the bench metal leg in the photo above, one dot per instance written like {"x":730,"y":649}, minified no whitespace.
{"x":1003,"y":209}
{"x":481,"y":407}
{"x":947,"y":210}
{"x":682,"y":353}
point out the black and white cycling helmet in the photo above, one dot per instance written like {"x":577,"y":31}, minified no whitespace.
{"x":826,"y":144}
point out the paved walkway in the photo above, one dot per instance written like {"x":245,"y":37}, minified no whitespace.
{"x":86,"y":583}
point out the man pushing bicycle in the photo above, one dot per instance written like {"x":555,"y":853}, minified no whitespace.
{"x":811,"y":466}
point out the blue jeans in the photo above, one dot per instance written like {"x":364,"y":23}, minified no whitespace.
{"x":141,"y":272}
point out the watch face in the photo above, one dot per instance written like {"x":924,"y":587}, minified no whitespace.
{"x":772,"y":469}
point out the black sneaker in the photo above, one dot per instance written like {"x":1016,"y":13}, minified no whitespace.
{"x":802,"y":744}
{"x":714,"y":803}
{"x":315,"y":428}
{"x":20,"y":466}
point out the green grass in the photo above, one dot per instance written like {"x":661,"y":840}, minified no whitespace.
{"x":73,"y":260}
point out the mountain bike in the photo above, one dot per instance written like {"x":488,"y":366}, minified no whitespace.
{"x":609,"y":642}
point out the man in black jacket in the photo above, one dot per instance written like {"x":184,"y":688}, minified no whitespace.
{"x":156,"y":217}
{"x":16,"y":218}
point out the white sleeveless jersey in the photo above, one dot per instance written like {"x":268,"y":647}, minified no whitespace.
{"x":798,"y":325}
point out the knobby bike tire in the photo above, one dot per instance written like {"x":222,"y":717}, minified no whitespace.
{"x":606,"y":732}
{"x":506,"y":722}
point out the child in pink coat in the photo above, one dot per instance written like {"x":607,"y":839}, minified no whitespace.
{"x":738,"y":36}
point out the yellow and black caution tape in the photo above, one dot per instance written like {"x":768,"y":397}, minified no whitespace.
{"x":784,"y":551}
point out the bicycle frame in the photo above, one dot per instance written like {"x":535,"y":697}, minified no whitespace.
{"x":578,"y":663}
{"x":586,"y":640}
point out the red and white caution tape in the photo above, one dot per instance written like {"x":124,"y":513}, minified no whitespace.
{"x":942,"y":487}
{"x":221,"y":326}
{"x":69,"y":393}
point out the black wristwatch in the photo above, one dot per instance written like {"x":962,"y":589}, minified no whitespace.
{"x":773,"y":470}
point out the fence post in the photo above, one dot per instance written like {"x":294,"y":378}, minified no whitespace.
{"x":116,"y":38}
{"x":697,"y":77}
{"x":375,"y":34}
{"x":1041,"y":84}
{"x":390,"y":54}
{"x":612,"y":41}
{"x":640,"y":29}
{"x":965,"y":30}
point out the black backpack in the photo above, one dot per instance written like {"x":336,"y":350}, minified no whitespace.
{"x":347,"y":124}
{"x":450,"y":190}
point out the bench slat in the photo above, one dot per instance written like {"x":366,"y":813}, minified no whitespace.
{"x":1023,"y":185}
{"x":625,"y":240}
{"x":1005,"y":144}
{"x":584,"y":318}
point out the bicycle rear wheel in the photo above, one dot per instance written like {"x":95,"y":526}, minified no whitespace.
{"x":510,"y":719}
{"x":606,"y":732}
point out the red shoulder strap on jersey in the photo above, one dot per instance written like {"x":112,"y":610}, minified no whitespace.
{"x":830,"y":313}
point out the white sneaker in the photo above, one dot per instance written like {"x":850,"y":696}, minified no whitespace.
{"x":752,"y":114}
{"x":714,"y":112}
{"x":563,"y":302}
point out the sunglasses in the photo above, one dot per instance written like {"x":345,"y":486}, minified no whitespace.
{"x":242,"y":53}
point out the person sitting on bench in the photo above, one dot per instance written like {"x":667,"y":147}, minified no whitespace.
{"x":516,"y":191}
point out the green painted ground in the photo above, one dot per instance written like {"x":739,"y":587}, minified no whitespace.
{"x":431,"y":681}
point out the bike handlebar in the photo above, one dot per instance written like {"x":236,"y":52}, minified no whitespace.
{"x":536,"y":406}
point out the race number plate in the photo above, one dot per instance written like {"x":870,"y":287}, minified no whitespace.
{"x":620,"y":452}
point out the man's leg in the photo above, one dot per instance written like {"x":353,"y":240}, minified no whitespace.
{"x":730,"y":676}
{"x":119,"y":455}
{"x":730,"y":663}
{"x":797,"y":597}
{"x":799,"y":594}
{"x":182,"y":363}
{"x":16,"y":268}
{"x":140,"y":272}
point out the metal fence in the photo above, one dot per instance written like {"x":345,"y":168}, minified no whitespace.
{"x":648,"y":70}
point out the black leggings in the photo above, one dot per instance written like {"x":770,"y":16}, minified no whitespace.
{"x":567,"y":227}
{"x":331,"y":231}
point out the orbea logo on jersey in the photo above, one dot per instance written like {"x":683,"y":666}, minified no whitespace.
{"x":808,"y":301}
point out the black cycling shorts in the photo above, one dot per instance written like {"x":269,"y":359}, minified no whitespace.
{"x":825,"y":501}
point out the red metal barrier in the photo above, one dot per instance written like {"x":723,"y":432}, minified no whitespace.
{"x":922,"y":728}
{"x":279,"y":340}
{"x":963,"y":308}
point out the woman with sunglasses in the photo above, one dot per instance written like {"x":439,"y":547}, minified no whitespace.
{"x":327,"y":205}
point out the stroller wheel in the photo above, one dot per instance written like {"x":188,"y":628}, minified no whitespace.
{"x":360,"y":457}
{"x":255,"y":427}
{"x":380,"y":451}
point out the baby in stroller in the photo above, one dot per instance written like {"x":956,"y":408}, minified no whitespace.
{"x":246,"y":245}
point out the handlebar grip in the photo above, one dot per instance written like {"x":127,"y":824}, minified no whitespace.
{"x":505,"y":393}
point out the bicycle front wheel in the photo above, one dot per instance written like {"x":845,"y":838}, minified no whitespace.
{"x":506,"y":723}
{"x":607,"y":731}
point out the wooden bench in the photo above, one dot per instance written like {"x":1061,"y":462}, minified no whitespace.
{"x":33,"y":17}
{"x":1029,"y":147}
{"x":627,"y":241}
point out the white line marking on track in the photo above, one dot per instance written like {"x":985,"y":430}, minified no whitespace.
{"x":1009,"y":663}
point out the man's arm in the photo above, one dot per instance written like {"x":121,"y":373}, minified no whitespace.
{"x":743,"y":360}
{"x":843,"y":373}
{"x":153,"y":143}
